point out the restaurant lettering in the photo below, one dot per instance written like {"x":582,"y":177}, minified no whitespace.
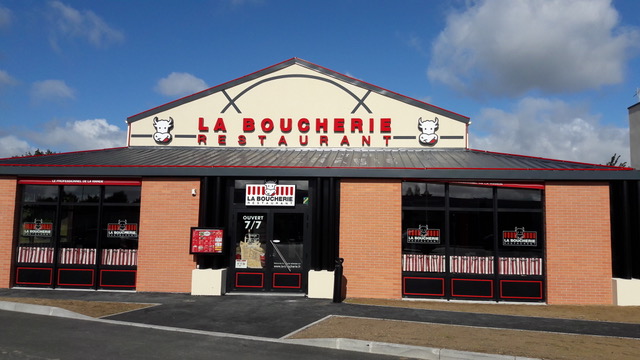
{"x":301,"y":131}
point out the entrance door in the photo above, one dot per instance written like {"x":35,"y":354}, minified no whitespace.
{"x":269,"y":251}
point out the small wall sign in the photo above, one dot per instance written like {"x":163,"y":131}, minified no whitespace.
{"x":37,"y":228}
{"x":423,"y":235}
{"x":206,"y":241}
{"x":122,"y":229}
{"x":519,"y":237}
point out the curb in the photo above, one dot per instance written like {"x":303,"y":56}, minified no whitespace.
{"x":415,"y":352}
{"x":42,"y":310}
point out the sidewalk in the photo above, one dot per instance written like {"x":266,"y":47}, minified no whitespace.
{"x":275,"y":317}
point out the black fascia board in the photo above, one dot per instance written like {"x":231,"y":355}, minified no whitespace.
{"x":308,"y":65}
{"x":435,"y":174}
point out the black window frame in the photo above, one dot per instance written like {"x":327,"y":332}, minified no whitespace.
{"x":519,"y":199}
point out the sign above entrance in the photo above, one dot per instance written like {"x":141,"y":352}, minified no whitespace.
{"x":270,"y":194}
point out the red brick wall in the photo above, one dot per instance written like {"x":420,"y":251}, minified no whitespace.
{"x":8,"y":203}
{"x":370,"y":237}
{"x":167,"y":213}
{"x":578,"y":243}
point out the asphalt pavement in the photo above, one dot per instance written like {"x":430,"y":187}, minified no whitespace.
{"x":37,"y":337}
{"x":275,"y":317}
{"x":278,"y":316}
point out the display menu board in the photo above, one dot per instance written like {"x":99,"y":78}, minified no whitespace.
{"x":206,"y":241}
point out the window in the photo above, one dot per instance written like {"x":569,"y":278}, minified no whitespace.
{"x":82,"y":231}
{"x":472,"y":240}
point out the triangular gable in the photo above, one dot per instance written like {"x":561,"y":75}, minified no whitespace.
{"x":297,"y":104}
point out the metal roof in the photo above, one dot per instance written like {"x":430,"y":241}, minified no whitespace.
{"x":309,"y":162}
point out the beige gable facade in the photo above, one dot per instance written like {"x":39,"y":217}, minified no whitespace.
{"x":297,"y":107}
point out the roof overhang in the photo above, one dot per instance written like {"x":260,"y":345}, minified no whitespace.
{"x":455,"y":164}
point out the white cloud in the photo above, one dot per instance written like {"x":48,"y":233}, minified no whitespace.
{"x":5,"y":17}
{"x":72,"y":136}
{"x":416,"y":43}
{"x":71,"y":23}
{"x":505,"y":47}
{"x":51,"y":90}
{"x":549,"y":128}
{"x":80,"y":135}
{"x":180,"y":84}
{"x":6,"y":79}
{"x":427,"y":99}
{"x":12,"y":146}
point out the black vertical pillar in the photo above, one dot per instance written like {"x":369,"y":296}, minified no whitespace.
{"x":212,"y":214}
{"x":326,"y":214}
{"x":626,"y":232}
{"x":447,"y":242}
{"x":496,"y":242}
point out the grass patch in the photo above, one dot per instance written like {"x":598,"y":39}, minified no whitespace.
{"x":95,"y":309}
{"x":625,"y":314}
{"x":532,"y":344}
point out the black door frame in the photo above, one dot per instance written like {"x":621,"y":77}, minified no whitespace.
{"x":270,"y":211}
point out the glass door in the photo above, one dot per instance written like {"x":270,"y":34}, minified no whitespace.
{"x":269,"y":251}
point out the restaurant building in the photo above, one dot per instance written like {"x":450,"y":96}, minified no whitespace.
{"x":261,"y":183}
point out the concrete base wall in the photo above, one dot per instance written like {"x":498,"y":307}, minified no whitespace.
{"x":321,"y":284}
{"x":210,"y":282}
{"x":626,"y":292}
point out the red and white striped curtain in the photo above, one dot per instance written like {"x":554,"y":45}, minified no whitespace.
{"x":520,"y":266}
{"x":423,"y":263}
{"x":471,"y":264}
{"x":122,"y":257}
{"x":38,"y":255}
{"x":74,"y":256}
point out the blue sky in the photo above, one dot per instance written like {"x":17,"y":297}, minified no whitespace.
{"x":549,"y":78}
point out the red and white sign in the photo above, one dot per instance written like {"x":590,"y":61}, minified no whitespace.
{"x":122,"y":229}
{"x":206,"y":241}
{"x":423,"y":235}
{"x":69,"y":181}
{"x":270,"y":194}
{"x":37,"y":228}
{"x":519,"y":237}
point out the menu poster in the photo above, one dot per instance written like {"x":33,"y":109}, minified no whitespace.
{"x":206,"y":241}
